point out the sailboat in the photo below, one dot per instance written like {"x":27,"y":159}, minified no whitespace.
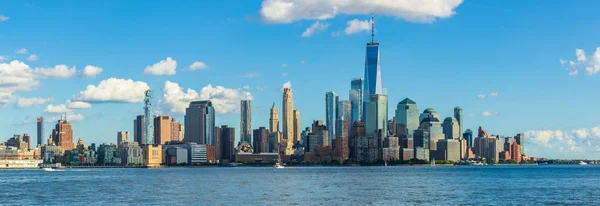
{"x":278,"y":165}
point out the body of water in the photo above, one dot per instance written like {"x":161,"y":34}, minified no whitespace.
{"x":402,"y":185}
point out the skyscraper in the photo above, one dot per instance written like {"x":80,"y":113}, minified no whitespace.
{"x":288,"y":121}
{"x":356,"y":99}
{"x":227,"y":137}
{"x":162,"y":129}
{"x":407,"y":117}
{"x":40,"y":130}
{"x":200,"y":122}
{"x":468,"y":136}
{"x":450,"y":128}
{"x":376,"y":115}
{"x":139,"y":134}
{"x":372,"y":82}
{"x":521,"y":141}
{"x":458,"y":114}
{"x":246,"y":121}
{"x":344,"y":113}
{"x":331,"y":99}
{"x":297,"y":126}
{"x":274,"y":119}
{"x":430,"y":122}
{"x":261,"y":140}
{"x":62,"y":134}
{"x":176,"y":130}
{"x":122,"y":136}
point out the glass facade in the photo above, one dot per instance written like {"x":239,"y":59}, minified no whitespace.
{"x":200,"y":123}
{"x":246,"y":121}
{"x":372,"y":82}
{"x":344,"y":112}
{"x":458,"y":114}
{"x":331,"y":99}
{"x":356,"y":99}
{"x":376,"y":115}
{"x":407,"y":115}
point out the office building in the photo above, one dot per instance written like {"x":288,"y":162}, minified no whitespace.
{"x":376,"y":115}
{"x":162,"y":129}
{"x":139,"y":134}
{"x":372,"y":80}
{"x":246,"y":120}
{"x":331,"y":102}
{"x":130,"y":153}
{"x":448,"y":149}
{"x":515,"y":152}
{"x":62,"y":134}
{"x":108,"y":154}
{"x":451,"y":128}
{"x":200,"y":122}
{"x":430,"y":123}
{"x":340,"y":148}
{"x":356,"y":99}
{"x":227,"y":143}
{"x":261,"y":140}
{"x":288,"y":119}
{"x":274,"y":119}
{"x":297,"y":126}
{"x":468,"y":136}
{"x":391,"y":149}
{"x":176,"y":130}
{"x":458,"y":115}
{"x":152,"y":155}
{"x":521,"y":141}
{"x":344,"y":111}
{"x":407,"y":117}
{"x":40,"y":130}
{"x":122,"y":136}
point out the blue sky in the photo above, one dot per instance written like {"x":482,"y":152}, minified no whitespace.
{"x":441,"y":55}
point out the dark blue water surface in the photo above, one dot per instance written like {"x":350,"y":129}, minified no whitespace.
{"x":402,"y":185}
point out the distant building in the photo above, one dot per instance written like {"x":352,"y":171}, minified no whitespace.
{"x":176,"y":130}
{"x":358,"y":130}
{"x":40,"y":130}
{"x":488,"y":147}
{"x":331,"y":103}
{"x":391,"y":149}
{"x":261,"y":140}
{"x":421,"y":144}
{"x":344,"y":111}
{"x":108,"y":154}
{"x":246,"y":120}
{"x":468,"y":135}
{"x":288,"y":119}
{"x":175,"y":155}
{"x":227,"y":141}
{"x":521,"y":141}
{"x":18,"y":142}
{"x":430,"y":122}
{"x":448,"y":149}
{"x":139,"y":134}
{"x":200,"y":122}
{"x":62,"y":134}
{"x":162,"y":129}
{"x":297,"y":125}
{"x":131,"y":153}
{"x":458,"y":115}
{"x":451,"y":128}
{"x":407,"y":117}
{"x":274,"y":119}
{"x":356,"y":99}
{"x":340,"y":148}
{"x":122,"y":136}
{"x":375,"y":117}
{"x":152,"y":155}
{"x":515,"y":152}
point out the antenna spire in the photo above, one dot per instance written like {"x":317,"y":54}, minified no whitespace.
{"x":372,"y":29}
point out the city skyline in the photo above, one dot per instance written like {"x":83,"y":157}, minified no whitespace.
{"x":87,"y":95}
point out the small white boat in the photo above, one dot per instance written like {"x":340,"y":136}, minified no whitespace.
{"x":582,"y":163}
{"x":48,"y":169}
{"x":278,"y":166}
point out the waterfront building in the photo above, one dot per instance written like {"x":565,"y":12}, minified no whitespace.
{"x":152,"y":155}
{"x":356,"y":99}
{"x":297,"y":125}
{"x":407,"y":117}
{"x":162,"y":129}
{"x":188,"y":153}
{"x":176,"y":130}
{"x":521,"y":141}
{"x":322,"y":132}
{"x":62,"y":134}
{"x":18,"y":142}
{"x":108,"y":154}
{"x":504,"y":155}
{"x":340,"y":148}
{"x":391,"y":149}
{"x":200,"y":123}
{"x":49,"y":152}
{"x":331,"y":103}
{"x":122,"y":136}
{"x":202,"y":154}
{"x":130,"y":153}
{"x":175,"y":154}
{"x":344,"y":111}
{"x":468,"y":135}
{"x":288,"y":121}
{"x":421,"y":144}
{"x":515,"y":151}
{"x":40,"y":130}
{"x":139,"y":134}
{"x":343,"y":127}
{"x":274,"y":119}
{"x":367,"y":149}
{"x":488,"y":147}
{"x":451,"y":128}
{"x":226,"y":136}
{"x":430,"y":122}
{"x":458,"y":115}
{"x":246,"y":120}
{"x":358,"y":130}
{"x":261,"y":140}
{"x":376,"y":114}
{"x":372,"y":79}
{"x":448,"y":149}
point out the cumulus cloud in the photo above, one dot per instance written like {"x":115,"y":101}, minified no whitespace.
{"x":287,"y":84}
{"x":355,"y":26}
{"x":28,"y":102}
{"x":261,"y":88}
{"x":225,"y":100}
{"x":60,"y":71}
{"x":315,"y":28}
{"x":198,"y":66}
{"x":78,"y":105}
{"x":32,"y":57}
{"x":288,"y":11}
{"x":114,"y":90}
{"x":576,"y":140}
{"x":489,"y":114}
{"x":90,"y":71}
{"x":581,"y":133}
{"x":164,"y":67}
{"x":483,"y":96}
{"x":22,"y":51}
{"x":73,"y":117}
{"x":591,"y":64}
{"x":16,"y":76}
{"x":61,"y":108}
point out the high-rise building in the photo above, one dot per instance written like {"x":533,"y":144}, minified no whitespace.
{"x":430,"y":122}
{"x":407,"y":117}
{"x":176,"y":130}
{"x":274,"y":119}
{"x":227,"y":137}
{"x":261,"y":140}
{"x":139,"y":134}
{"x":297,"y":125}
{"x":372,"y":82}
{"x":356,"y":99}
{"x":162,"y":129}
{"x":458,"y":115}
{"x":448,"y":149}
{"x":344,"y":113}
{"x":200,"y":122}
{"x":451,"y":128}
{"x":40,"y":130}
{"x":130,"y":153}
{"x":288,"y":119}
{"x":515,"y":151}
{"x":62,"y":134}
{"x":152,"y":155}
{"x":521,"y":141}
{"x":246,"y":121}
{"x":468,"y":136}
{"x":122,"y":136}
{"x":331,"y":102}
{"x":376,"y":115}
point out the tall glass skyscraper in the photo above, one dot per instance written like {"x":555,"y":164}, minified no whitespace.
{"x":356,"y":99}
{"x":246,"y":121}
{"x":372,"y":82}
{"x":331,"y":99}
{"x":344,"y":112}
{"x":200,"y":123}
{"x":458,"y":115}
{"x":376,"y":118}
{"x":407,"y":117}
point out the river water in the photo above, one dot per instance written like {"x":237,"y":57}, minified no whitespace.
{"x":402,"y":185}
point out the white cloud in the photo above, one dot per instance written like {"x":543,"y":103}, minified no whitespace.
{"x":315,"y":28}
{"x":287,"y":84}
{"x":3,"y":58}
{"x":483,"y":96}
{"x":493,"y":94}
{"x":590,"y":63}
{"x":22,"y":51}
{"x":32,"y":57}
{"x":16,"y":76}
{"x":90,"y":71}
{"x":73,"y":117}
{"x":28,"y":102}
{"x":581,"y":133}
{"x":60,"y":71}
{"x":288,"y":11}
{"x":251,"y":75}
{"x":224,"y":100}
{"x":198,"y":66}
{"x":261,"y":88}
{"x":355,"y":26}
{"x":595,"y":131}
{"x":3,"y":18}
{"x":114,"y":90}
{"x":543,"y":137}
{"x":61,"y":108}
{"x":488,"y":114}
{"x":164,"y":67}
{"x":78,"y":105}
